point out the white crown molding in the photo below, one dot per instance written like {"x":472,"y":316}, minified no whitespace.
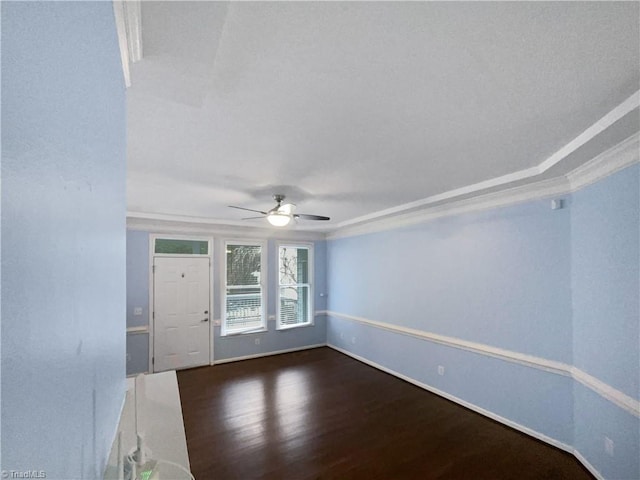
{"x":121,"y":29}
{"x":128,"y":17}
{"x":608,"y":392}
{"x":621,"y":156}
{"x":546,"y":188}
{"x":626,"y":107}
{"x":625,"y":154}
{"x":480,"y":410}
{"x":133,"y":25}
{"x":598,"y":127}
{"x":166,"y":224}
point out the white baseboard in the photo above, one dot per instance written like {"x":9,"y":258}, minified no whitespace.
{"x":480,"y":410}
{"x":268,"y":354}
{"x":587,"y":465}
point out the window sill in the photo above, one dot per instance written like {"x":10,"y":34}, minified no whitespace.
{"x":247,"y":332}
{"x":298,"y":325}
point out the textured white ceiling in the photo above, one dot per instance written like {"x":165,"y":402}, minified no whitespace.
{"x":353,"y":108}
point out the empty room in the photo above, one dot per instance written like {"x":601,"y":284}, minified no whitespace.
{"x":320,"y":240}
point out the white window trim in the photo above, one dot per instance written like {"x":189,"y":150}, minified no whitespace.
{"x":311,"y":314}
{"x":263,"y":287}
{"x":157,"y":236}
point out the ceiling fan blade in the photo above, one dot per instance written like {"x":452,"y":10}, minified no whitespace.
{"x":310,"y":217}
{"x":248,"y":209}
{"x":250,"y":218}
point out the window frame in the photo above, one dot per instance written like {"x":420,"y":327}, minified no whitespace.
{"x":195,"y":238}
{"x":224,"y":330}
{"x":311,"y":313}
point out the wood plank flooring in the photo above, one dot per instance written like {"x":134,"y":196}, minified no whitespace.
{"x":319,"y":414}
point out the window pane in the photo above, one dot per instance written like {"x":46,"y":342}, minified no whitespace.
{"x":294,"y":265}
{"x":183,"y":247}
{"x":243,"y":264}
{"x":294,"y":305}
{"x":244,"y":308}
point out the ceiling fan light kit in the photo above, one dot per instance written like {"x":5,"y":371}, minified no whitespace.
{"x":279,"y":219}
{"x":281,"y":215}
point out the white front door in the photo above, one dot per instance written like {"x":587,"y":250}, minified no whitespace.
{"x":181,"y":312}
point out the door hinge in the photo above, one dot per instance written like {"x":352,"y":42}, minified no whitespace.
{"x":153,"y":315}
{"x":153,"y":269}
{"x":153,"y":360}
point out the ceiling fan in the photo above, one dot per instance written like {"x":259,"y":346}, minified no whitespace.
{"x":281,"y":215}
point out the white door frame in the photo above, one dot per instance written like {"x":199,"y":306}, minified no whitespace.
{"x":152,"y":255}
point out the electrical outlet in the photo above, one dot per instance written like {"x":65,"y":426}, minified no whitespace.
{"x":137,"y":311}
{"x":440,"y":370}
{"x":608,"y":446}
{"x":257,"y":341}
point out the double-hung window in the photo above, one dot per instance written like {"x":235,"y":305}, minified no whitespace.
{"x":295,"y":289}
{"x":244,"y":300}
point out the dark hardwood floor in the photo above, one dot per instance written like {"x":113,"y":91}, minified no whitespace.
{"x":319,"y":414}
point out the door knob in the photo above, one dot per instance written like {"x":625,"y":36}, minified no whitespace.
{"x":205,"y":320}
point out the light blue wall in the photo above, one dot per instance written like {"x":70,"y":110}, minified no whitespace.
{"x":63,"y":237}
{"x":224,"y":347}
{"x":605,"y":232}
{"x":501,"y":278}
{"x":137,"y":278}
{"x":137,"y":296}
{"x":558,"y":284}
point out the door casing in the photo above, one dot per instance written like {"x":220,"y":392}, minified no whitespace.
{"x":152,"y":254}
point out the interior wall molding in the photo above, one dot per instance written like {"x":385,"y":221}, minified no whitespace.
{"x":618,"y":398}
{"x":630,"y":104}
{"x":121,"y":30}
{"x":543,"y":189}
{"x":136,"y":330}
{"x":133,"y":25}
{"x":128,"y":17}
{"x":617,"y":158}
{"x":172,"y":224}
{"x":480,"y":410}
{"x":622,"y":155}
